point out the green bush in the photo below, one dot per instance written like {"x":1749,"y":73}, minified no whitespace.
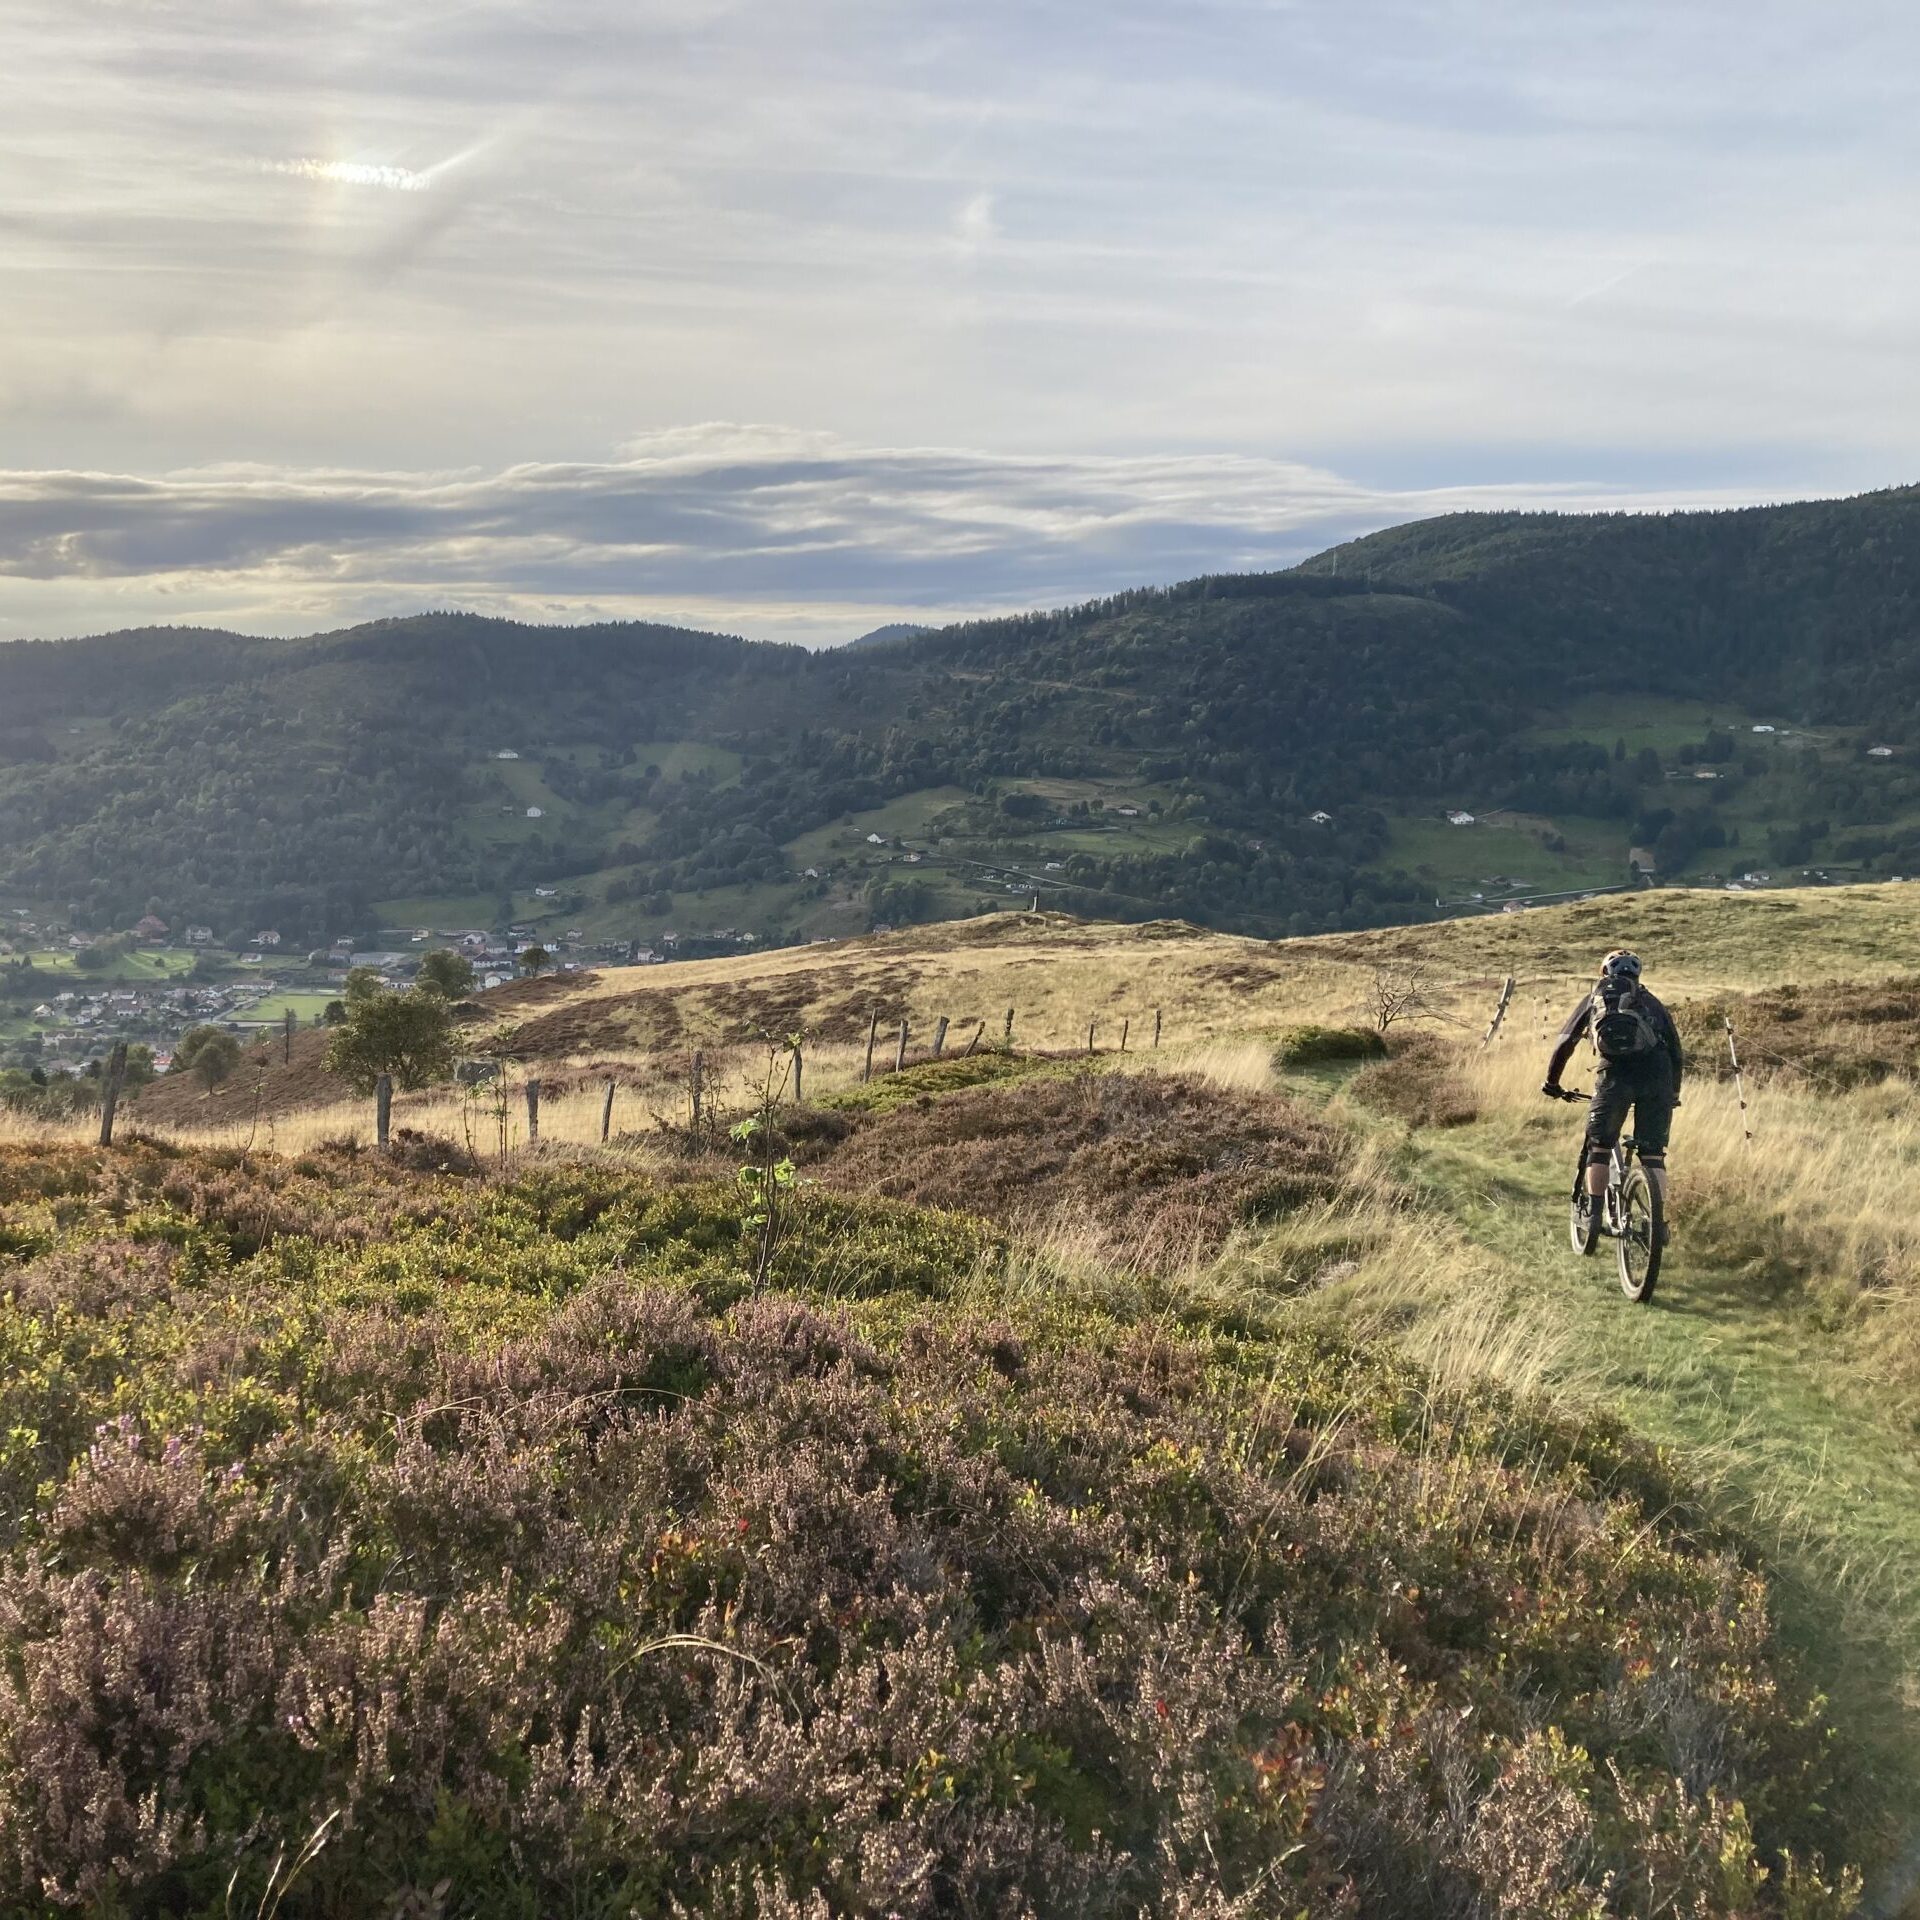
{"x":1322,"y":1046}
{"x":930,"y":1078}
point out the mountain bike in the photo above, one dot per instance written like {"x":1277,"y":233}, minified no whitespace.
{"x":1629,"y":1214}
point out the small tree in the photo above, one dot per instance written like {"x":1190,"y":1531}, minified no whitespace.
{"x":447,"y":973}
{"x":535,"y":961}
{"x":363,"y":984}
{"x":208,"y":1054}
{"x":1403,"y":993}
{"x":408,"y":1035}
{"x":334,"y":1014}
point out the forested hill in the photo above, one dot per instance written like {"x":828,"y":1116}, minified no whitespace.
{"x":1813,"y":607}
{"x":1163,"y":751}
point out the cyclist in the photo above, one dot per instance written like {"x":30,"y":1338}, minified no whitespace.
{"x":1640,"y":1066}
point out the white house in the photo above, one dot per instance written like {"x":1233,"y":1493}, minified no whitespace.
{"x":1128,"y":813}
{"x":1455,"y":818}
{"x":545,"y":893}
{"x":1705,"y":773}
{"x":876,"y":839}
{"x":267,"y":939}
{"x":536,"y":813}
{"x":1763,"y":729}
{"x":1321,"y":819}
{"x":506,"y":753}
{"x":1881,"y":753}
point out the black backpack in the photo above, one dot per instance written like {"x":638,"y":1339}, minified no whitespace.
{"x":1622,"y":1028}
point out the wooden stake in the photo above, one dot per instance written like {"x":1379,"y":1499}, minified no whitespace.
{"x":1125,"y":1025}
{"x":1156,"y":1026}
{"x":799,"y":1068}
{"x":975,"y":1041}
{"x":606,"y":1115}
{"x":873,"y":1033}
{"x":1007,"y":1039}
{"x":1739,"y":1082}
{"x":533,"y":1113}
{"x":110,"y":1094}
{"x":900,"y":1058}
{"x":940,"y":1037}
{"x":699,"y":1075}
{"x":1089,"y":1036}
{"x":383,"y":1112}
{"x":286,"y":1041}
{"x":1499,"y":1012}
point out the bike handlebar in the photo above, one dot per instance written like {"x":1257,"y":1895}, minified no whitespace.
{"x":1568,"y":1094}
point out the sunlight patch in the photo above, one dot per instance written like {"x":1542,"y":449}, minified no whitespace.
{"x":355,"y":173}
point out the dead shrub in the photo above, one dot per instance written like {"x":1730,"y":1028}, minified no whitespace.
{"x":1165,"y":1161}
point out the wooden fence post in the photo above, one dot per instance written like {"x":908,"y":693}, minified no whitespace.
{"x":873,"y":1033}
{"x":1499,"y":1012}
{"x":1089,"y":1036}
{"x":383,"y":1111}
{"x":900,"y":1058}
{"x":1156,"y":1026}
{"x":799,"y":1069}
{"x":1007,"y":1037}
{"x":110,"y":1093}
{"x":699,"y":1077}
{"x":1739,"y":1081}
{"x":978,"y":1030}
{"x":533,"y":1113}
{"x":940,"y":1037}
{"x":1125,"y":1025}
{"x":286,"y":1041}
{"x":606,"y":1114}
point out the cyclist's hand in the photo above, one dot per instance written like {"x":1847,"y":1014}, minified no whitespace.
{"x":1552,"y":1090}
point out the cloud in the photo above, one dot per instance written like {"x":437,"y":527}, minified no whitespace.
{"x":749,"y":528}
{"x":353,"y":173}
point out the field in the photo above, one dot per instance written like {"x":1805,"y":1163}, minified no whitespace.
{"x":1181,"y":1296}
{"x":1505,"y":856}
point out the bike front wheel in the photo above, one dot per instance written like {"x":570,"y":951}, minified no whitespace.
{"x":1642,"y":1230}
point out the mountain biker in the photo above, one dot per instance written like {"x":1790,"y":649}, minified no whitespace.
{"x":1640,"y":1066}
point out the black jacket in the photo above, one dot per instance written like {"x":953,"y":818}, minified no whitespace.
{"x":1576,"y":1028}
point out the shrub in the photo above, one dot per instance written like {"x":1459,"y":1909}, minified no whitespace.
{"x":476,"y":1530}
{"x":1322,"y":1046}
{"x":1419,"y":1083}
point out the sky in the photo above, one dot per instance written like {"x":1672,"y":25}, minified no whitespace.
{"x":795,"y":319}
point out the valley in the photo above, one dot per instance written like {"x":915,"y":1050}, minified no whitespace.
{"x":1277,"y":754}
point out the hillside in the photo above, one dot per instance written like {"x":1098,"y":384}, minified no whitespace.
{"x":1193,"y":1480}
{"x":1268,"y":754}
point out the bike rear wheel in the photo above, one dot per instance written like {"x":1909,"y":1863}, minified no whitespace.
{"x":1642,"y":1229}
{"x":1583,"y":1214}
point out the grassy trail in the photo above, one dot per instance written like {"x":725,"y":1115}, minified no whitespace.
{"x":1790,"y":1445}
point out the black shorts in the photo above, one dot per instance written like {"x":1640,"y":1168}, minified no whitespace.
{"x":1646,"y":1086}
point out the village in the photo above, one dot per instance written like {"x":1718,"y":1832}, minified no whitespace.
{"x":67,"y":995}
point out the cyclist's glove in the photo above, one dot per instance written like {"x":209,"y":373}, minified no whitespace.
{"x":1551,"y":1089}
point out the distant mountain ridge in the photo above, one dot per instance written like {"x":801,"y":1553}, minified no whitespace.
{"x":662,"y":772}
{"x":886,"y":636}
